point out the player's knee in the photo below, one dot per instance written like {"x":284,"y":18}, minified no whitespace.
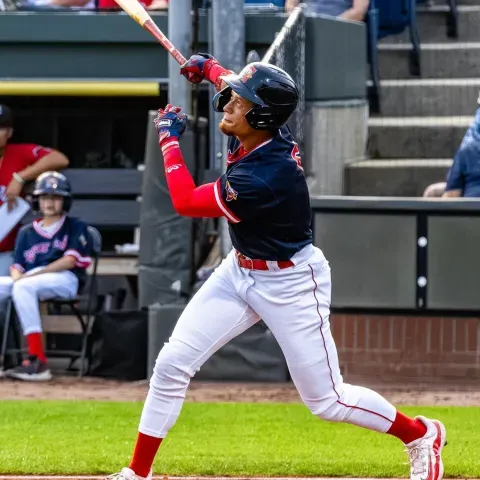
{"x":325,"y":408}
{"x":20,"y":288}
{"x":172,"y":365}
{"x":335,"y":412}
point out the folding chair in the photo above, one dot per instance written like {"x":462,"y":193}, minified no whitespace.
{"x":88,"y":296}
{"x":371,"y":20}
{"x":393,"y":17}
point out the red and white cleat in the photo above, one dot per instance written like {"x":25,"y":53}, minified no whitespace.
{"x":425,"y":454}
{"x":128,"y":474}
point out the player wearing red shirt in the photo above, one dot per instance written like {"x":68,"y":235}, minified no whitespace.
{"x":19,"y":163}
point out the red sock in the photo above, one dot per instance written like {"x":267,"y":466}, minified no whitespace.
{"x":407,"y":429}
{"x":35,"y":346}
{"x":144,"y":454}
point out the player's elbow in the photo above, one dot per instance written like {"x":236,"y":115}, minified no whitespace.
{"x":56,"y":161}
{"x":70,"y":262}
{"x":182,"y":207}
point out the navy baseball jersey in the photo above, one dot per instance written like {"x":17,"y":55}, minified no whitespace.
{"x":36,"y":247}
{"x":264,"y":196}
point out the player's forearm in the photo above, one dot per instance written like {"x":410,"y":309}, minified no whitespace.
{"x":188,"y":199}
{"x":452,"y":194}
{"x":60,"y":265}
{"x":353,"y":14}
{"x":53,"y":161}
{"x":215,"y":75}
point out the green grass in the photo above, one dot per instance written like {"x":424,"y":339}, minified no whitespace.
{"x":218,"y":439}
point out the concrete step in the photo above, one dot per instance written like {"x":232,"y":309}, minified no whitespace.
{"x":394,"y":177}
{"x":429,"y":97}
{"x":438,"y":60}
{"x":416,"y":137}
{"x":432,"y":25}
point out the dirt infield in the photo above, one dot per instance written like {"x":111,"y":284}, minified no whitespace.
{"x":72,"y":388}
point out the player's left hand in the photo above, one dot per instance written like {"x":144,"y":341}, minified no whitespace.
{"x":170,"y":123}
{"x":12,"y":192}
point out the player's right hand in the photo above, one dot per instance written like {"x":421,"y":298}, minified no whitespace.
{"x":198,"y":67}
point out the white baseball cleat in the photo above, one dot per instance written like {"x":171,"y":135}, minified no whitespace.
{"x":128,"y":474}
{"x":425,"y":454}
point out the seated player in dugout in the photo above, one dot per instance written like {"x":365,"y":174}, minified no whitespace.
{"x":273,"y":273}
{"x":19,"y":163}
{"x":51,"y":257}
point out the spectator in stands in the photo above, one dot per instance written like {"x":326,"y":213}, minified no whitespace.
{"x":51,"y":256}
{"x":42,"y":5}
{"x":463,"y":179}
{"x":19,"y":163}
{"x":346,"y":9}
{"x":148,"y":4}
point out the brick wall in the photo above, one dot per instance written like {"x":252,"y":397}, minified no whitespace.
{"x":397,"y":348}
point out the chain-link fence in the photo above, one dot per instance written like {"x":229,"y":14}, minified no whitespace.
{"x":288,"y":53}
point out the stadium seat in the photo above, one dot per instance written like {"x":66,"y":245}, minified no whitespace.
{"x":394,"y":16}
{"x":452,"y":17}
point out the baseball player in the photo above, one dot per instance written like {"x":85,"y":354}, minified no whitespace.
{"x":273,"y":273}
{"x":19,"y":163}
{"x":51,"y":255}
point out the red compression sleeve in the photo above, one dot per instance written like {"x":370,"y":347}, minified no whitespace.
{"x":214,"y":74}
{"x":187,"y":199}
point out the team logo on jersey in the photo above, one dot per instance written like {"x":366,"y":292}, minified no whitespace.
{"x":231,"y":193}
{"x":296,"y":156}
{"x":61,"y":244}
{"x":39,"y":248}
{"x":38,"y":149}
{"x":247,"y":73}
{"x":83,"y":240}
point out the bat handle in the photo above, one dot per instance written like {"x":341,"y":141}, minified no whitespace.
{"x":178,"y":56}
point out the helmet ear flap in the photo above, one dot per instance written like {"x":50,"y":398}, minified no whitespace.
{"x":67,"y":204}
{"x":221,"y":99}
{"x":267,"y":118}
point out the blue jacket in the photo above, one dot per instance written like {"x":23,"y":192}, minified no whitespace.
{"x":465,"y":171}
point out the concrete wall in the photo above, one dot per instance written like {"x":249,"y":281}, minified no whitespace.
{"x":111,"y":45}
{"x":400,"y":254}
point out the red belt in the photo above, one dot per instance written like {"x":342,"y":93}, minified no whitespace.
{"x":255,"y":264}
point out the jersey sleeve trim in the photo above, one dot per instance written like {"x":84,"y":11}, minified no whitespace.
{"x":226,"y":211}
{"x":18,"y":267}
{"x":80,"y":262}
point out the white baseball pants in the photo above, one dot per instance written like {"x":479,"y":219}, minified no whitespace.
{"x":295,"y":305}
{"x":27,"y":292}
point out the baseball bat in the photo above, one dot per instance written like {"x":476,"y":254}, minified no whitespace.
{"x":140,"y":15}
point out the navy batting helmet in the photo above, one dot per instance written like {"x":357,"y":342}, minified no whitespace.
{"x":272,"y":91}
{"x":52,"y":183}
